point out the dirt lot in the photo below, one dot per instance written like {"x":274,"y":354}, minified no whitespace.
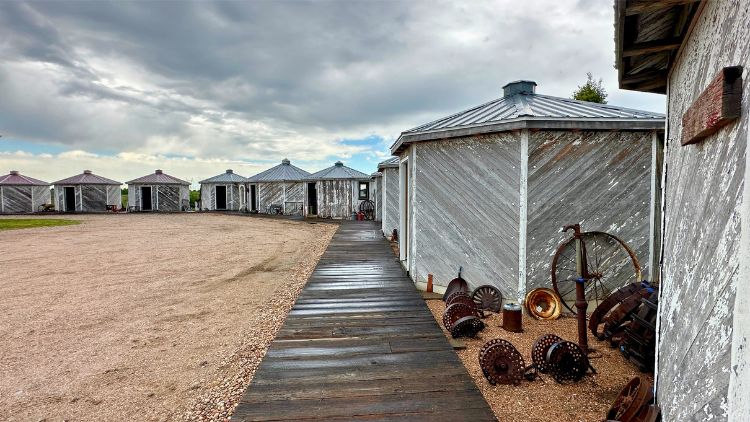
{"x":144,"y":317}
{"x":544,"y":400}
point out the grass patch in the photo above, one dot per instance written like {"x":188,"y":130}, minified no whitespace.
{"x":30,"y":223}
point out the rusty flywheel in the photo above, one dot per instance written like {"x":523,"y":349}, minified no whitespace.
{"x":567,"y":362}
{"x":539,"y":351}
{"x":632,"y":400}
{"x":501,"y":363}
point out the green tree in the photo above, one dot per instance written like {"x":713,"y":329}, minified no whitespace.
{"x":592,"y":91}
{"x":195,"y":195}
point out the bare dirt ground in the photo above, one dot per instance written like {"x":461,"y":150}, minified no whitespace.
{"x":545,"y":400}
{"x":144,"y":317}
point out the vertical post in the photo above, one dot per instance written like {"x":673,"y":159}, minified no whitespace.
{"x":429,"y":283}
{"x":582,"y":272}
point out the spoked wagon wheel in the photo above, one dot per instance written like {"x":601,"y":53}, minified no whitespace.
{"x":611,"y":265}
{"x":368,"y":209}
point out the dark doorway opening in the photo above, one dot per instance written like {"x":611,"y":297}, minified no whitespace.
{"x":312,"y":199}
{"x":253,"y":198}
{"x":146,"y":198}
{"x":221,"y":197}
{"x":70,"y":199}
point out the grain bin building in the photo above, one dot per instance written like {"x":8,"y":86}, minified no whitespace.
{"x":336,"y":192}
{"x":224,"y":192}
{"x":698,"y":54}
{"x":489,"y":188}
{"x":376,"y":183}
{"x":22,"y":194}
{"x":87,"y":192}
{"x":158,"y":192}
{"x":278,"y":190}
{"x":389,"y":195}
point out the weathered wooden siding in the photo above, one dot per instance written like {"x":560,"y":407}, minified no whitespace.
{"x":114,"y":195}
{"x":703,"y":198}
{"x":465,"y":210}
{"x":17,"y":199}
{"x":208,"y":196}
{"x":169,"y":198}
{"x":93,"y":198}
{"x":295,"y":198}
{"x":378,"y":197}
{"x":273,"y":193}
{"x":335,"y":198}
{"x":599,"y":179}
{"x":390,"y":207}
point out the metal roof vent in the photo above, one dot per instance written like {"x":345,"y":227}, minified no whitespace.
{"x":158,"y":172}
{"x":87,"y":172}
{"x":339,"y":164}
{"x":519,"y":87}
{"x":285,"y":161}
{"x":229,"y":171}
{"x":14,"y":172}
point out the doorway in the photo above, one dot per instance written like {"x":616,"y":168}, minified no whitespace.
{"x":312,"y":199}
{"x":253,"y":198}
{"x":70,"y":198}
{"x":221,"y":197}
{"x":146,"y":198}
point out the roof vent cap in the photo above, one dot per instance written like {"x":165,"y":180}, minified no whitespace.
{"x":87,"y":172}
{"x":285,"y":161}
{"x":230,"y":171}
{"x":158,"y":172}
{"x":519,"y":87}
{"x":339,"y":164}
{"x":14,"y":172}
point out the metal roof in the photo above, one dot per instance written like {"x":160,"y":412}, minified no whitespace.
{"x":284,"y":172}
{"x":86,"y":178}
{"x":17,"y":179}
{"x":338,"y":171}
{"x":391,"y":162}
{"x":521,"y":107}
{"x":158,"y":178}
{"x":227,"y":177}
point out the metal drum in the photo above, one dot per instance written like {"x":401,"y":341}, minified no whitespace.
{"x":512,"y":318}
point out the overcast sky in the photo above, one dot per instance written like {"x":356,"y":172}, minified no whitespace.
{"x":196,"y":88}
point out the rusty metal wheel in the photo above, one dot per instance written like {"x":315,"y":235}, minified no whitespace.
{"x":543,"y":304}
{"x":487,"y":298}
{"x":501,"y":362}
{"x":458,"y":284}
{"x":455,"y":312}
{"x":468,"y":326}
{"x":635,"y":395}
{"x":539,"y":351}
{"x":460,"y":297}
{"x":611,"y":264}
{"x":567,"y":362}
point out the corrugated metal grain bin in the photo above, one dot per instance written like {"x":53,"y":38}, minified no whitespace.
{"x":158,"y":192}
{"x":389,"y":195}
{"x":336,"y":192}
{"x":278,"y":190}
{"x":87,"y":192}
{"x":22,"y":194}
{"x":224,"y":192}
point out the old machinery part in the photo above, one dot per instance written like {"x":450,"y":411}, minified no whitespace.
{"x":635,"y":396}
{"x":501,"y":362}
{"x":455,"y":312}
{"x":512,"y":318}
{"x":608,"y":304}
{"x":639,"y":341}
{"x":543,"y":304}
{"x":621,"y":315}
{"x":611,"y":264}
{"x":468,"y":326}
{"x":567,"y":362}
{"x":539,"y":351}
{"x":458,"y":284}
{"x":460,"y":297}
{"x":650,"y":413}
{"x":487,"y":298}
{"x":368,"y":209}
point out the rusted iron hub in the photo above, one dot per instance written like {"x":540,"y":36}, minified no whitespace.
{"x":567,"y":362}
{"x":487,"y":298}
{"x":539,"y":351}
{"x":612,"y":310}
{"x":501,"y":363}
{"x":455,"y":312}
{"x":468,"y":326}
{"x":632,"y":400}
{"x":543,"y":304}
{"x":460,"y":297}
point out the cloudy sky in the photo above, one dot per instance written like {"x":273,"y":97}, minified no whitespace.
{"x":195,"y":88}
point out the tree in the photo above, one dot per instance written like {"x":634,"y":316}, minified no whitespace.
{"x":592,"y":91}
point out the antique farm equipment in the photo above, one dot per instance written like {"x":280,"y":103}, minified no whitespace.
{"x":611,"y":265}
{"x":539,"y":351}
{"x":567,"y":362}
{"x":461,"y":320}
{"x":512,"y":318}
{"x":633,"y":403}
{"x":460,"y":297}
{"x":639,"y":340}
{"x":367,"y":208}
{"x":455,"y":312}
{"x":543,"y":304}
{"x":501,"y":362}
{"x":458,"y":284}
{"x":468,"y":326}
{"x":487,"y":298}
{"x":615,"y":310}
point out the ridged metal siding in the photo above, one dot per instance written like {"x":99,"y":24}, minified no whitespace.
{"x":390,"y":184}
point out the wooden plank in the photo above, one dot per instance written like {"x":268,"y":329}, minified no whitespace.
{"x":636,"y":7}
{"x":648,"y":47}
{"x":717,"y":106}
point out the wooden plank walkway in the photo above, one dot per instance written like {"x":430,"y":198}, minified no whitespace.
{"x":360,"y":344}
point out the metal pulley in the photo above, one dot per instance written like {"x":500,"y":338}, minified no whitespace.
{"x":501,"y":362}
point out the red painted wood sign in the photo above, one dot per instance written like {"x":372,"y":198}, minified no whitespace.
{"x":718,"y":105}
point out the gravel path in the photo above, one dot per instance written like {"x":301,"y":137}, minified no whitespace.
{"x":144,"y":317}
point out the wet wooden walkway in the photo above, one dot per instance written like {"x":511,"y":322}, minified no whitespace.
{"x":360,"y":344}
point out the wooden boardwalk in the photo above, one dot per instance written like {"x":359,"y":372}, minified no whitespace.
{"x":360,"y":344}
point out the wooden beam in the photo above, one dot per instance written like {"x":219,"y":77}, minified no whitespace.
{"x":718,"y":105}
{"x":636,"y":7}
{"x":648,"y":76}
{"x":648,"y":47}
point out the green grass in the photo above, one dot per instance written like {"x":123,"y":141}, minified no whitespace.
{"x":30,"y":223}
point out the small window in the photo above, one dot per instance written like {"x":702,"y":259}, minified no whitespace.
{"x":364,"y":190}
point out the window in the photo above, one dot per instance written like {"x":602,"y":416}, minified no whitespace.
{"x":364,"y":190}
